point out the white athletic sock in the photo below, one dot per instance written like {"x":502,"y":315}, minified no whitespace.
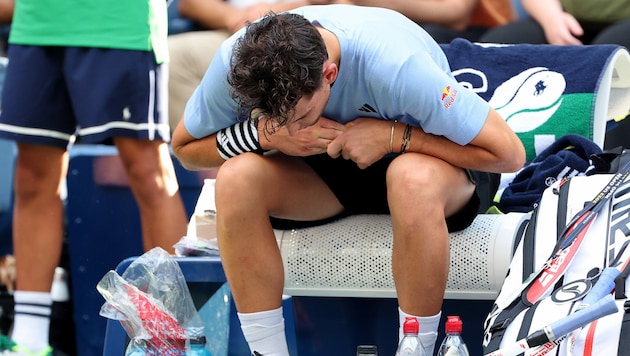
{"x":32,"y":319}
{"x":428,"y":329}
{"x":264,"y":332}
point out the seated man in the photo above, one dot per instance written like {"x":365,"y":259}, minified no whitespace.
{"x":192,"y":51}
{"x":357,"y":112}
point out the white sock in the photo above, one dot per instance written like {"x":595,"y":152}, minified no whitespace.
{"x":32,"y":319}
{"x":428,"y":329}
{"x":264,"y":332}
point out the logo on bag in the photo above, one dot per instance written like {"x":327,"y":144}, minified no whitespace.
{"x":572,"y":291}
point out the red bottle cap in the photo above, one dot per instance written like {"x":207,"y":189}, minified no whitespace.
{"x":453,"y":324}
{"x":411,"y":326}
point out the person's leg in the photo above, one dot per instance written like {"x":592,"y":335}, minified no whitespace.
{"x":190,"y":54}
{"x":422,"y":192}
{"x":129,"y":108}
{"x":250,"y":188}
{"x":37,"y":239}
{"x":36,"y":114}
{"x":616,"y":33}
{"x":521,"y":31}
{"x":152,"y":179}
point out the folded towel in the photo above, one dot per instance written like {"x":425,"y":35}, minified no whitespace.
{"x":542,"y":91}
{"x":569,"y":156}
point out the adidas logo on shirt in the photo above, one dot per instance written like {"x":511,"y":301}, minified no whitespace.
{"x":367,"y":108}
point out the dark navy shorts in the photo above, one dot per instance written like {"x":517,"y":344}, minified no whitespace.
{"x":56,"y":95}
{"x":364,"y":191}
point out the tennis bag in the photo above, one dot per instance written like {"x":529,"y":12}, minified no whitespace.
{"x":580,"y":229}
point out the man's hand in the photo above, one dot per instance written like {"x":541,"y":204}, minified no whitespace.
{"x":309,"y":141}
{"x":365,"y":141}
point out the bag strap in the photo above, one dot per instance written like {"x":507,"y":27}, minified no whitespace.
{"x":620,"y":283}
{"x":526,"y":324}
{"x":611,"y":160}
{"x":501,"y":323}
{"x":624,"y":333}
{"x":529,"y":245}
{"x":529,"y":238}
{"x":561,"y":211}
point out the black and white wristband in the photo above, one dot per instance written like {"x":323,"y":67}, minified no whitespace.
{"x":239,"y":138}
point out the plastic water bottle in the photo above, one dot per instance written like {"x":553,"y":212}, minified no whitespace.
{"x":367,"y":350}
{"x":453,"y":344}
{"x":198,"y":347}
{"x":410,"y":344}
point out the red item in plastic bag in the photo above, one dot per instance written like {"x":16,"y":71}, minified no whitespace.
{"x":167,"y":335}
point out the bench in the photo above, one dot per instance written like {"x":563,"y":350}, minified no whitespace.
{"x":351,"y":257}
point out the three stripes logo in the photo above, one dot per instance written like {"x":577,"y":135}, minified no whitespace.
{"x":367,"y":108}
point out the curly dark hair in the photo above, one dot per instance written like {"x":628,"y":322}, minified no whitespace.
{"x":277,"y":61}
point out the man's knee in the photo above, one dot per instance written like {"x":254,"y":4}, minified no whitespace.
{"x":408,"y":178}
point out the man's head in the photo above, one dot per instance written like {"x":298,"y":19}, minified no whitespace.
{"x":278,"y":61}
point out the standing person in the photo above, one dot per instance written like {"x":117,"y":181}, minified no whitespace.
{"x":95,"y":71}
{"x":357,"y":112}
{"x":568,"y":22}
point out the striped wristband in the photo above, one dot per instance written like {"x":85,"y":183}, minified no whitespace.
{"x":239,"y":138}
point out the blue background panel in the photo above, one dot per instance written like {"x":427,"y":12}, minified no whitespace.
{"x":104,"y":229}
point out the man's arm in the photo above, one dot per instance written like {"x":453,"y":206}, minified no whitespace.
{"x":193,"y":153}
{"x":495,"y":149}
{"x":201,"y":154}
{"x":220,"y":15}
{"x":6,"y":11}
{"x":455,"y":14}
{"x":211,"y":14}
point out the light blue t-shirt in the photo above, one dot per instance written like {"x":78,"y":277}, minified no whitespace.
{"x":390,"y":68}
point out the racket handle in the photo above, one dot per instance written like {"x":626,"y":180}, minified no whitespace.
{"x":605,"y":284}
{"x":603,"y":307}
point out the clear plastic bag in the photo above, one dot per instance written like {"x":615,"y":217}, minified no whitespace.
{"x":152,"y":301}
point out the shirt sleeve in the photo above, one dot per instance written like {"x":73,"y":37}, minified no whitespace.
{"x":211,"y":107}
{"x":431,"y":98}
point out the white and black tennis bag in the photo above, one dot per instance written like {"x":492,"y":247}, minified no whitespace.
{"x":539,"y":291}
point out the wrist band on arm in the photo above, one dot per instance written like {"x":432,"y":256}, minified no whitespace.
{"x":391,"y":137}
{"x":238,"y":138}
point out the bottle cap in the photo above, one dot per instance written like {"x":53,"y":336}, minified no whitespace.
{"x":411,"y":326}
{"x":198,"y":340}
{"x":453,"y":324}
{"x":368,"y":350}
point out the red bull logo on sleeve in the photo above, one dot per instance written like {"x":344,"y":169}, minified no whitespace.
{"x":448,"y":96}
